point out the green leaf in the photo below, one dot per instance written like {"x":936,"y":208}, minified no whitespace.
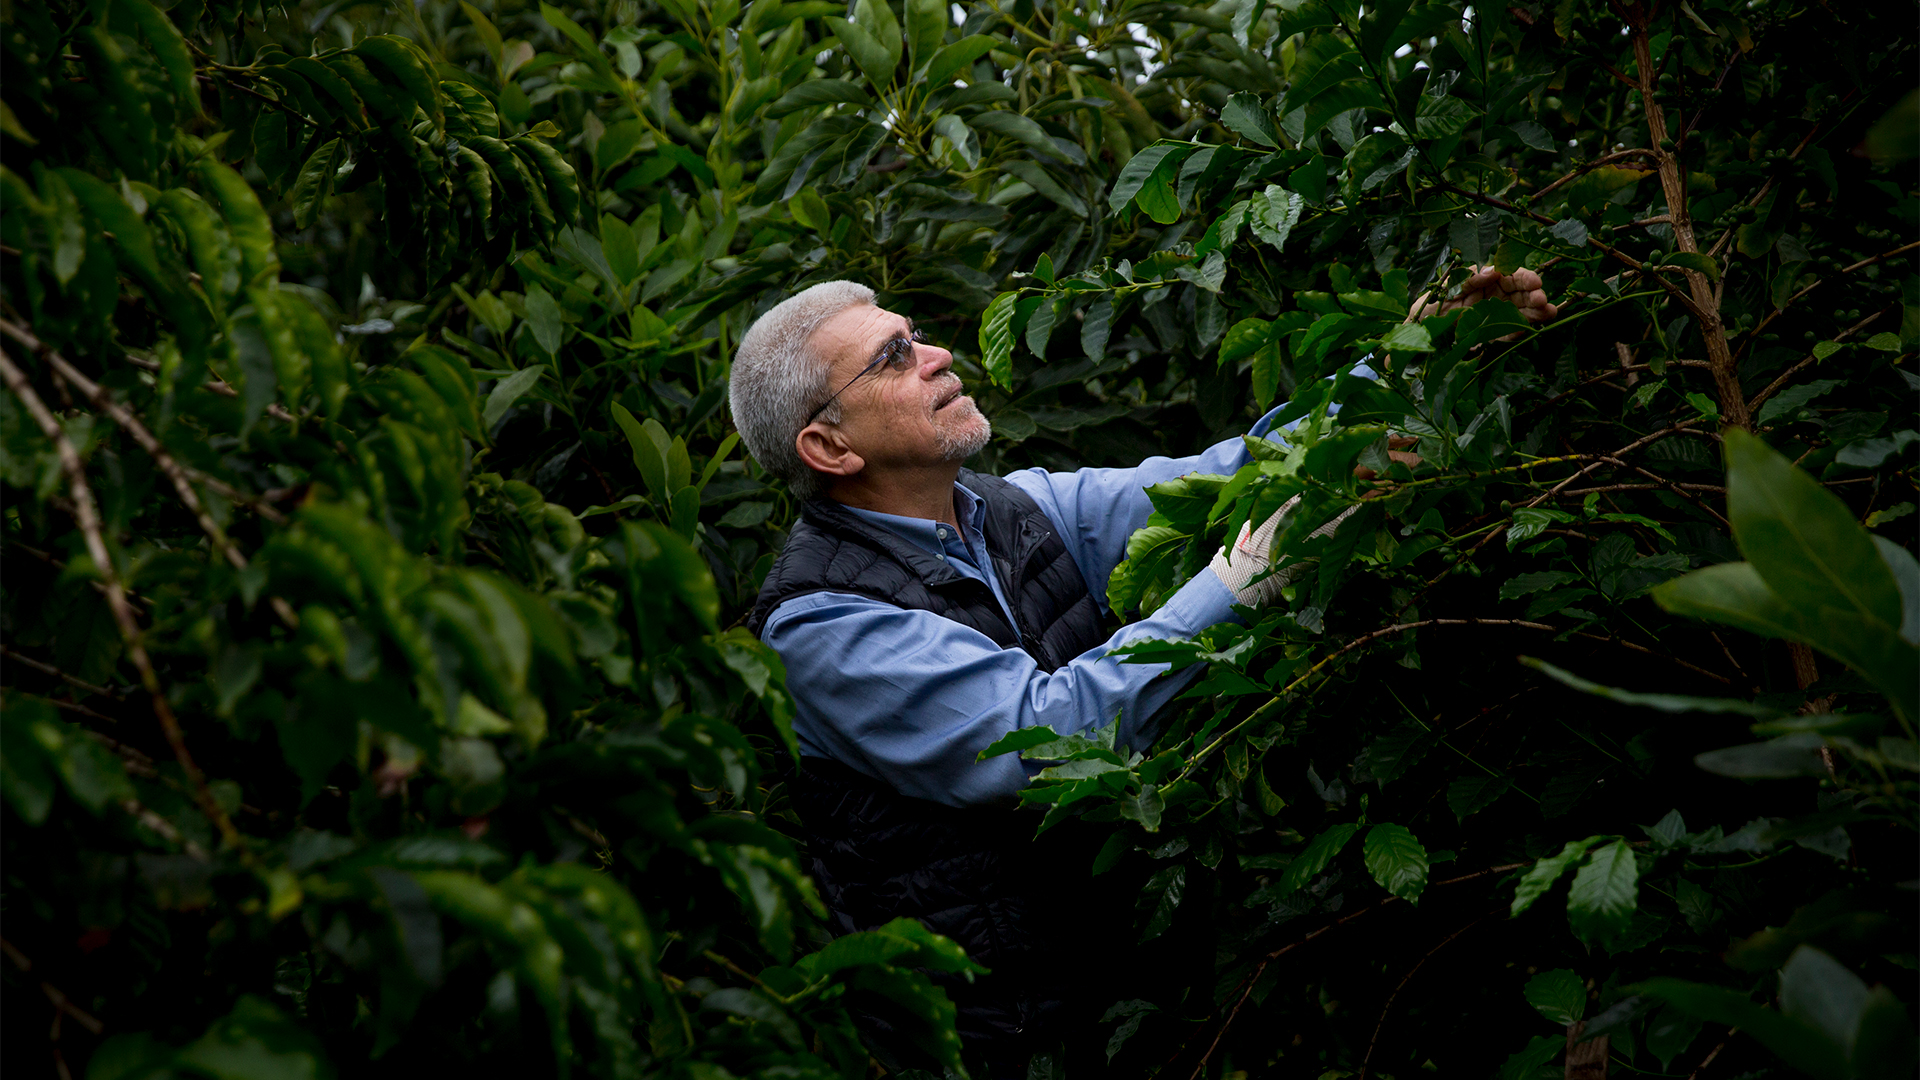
{"x":1670,"y":703}
{"x":1407,"y":337}
{"x":1558,"y":995}
{"x":996,"y":339}
{"x":1796,"y":754}
{"x":1535,"y":883}
{"x":1246,"y":116}
{"x":957,"y":57}
{"x":1168,"y":887}
{"x":927,"y":23}
{"x":1021,"y":129}
{"x":1138,"y":168}
{"x":168,"y":47}
{"x":507,"y":391}
{"x":314,"y":183}
{"x":1694,"y":261}
{"x":867,"y":51}
{"x":1801,"y":539}
{"x":818,"y":92}
{"x":1315,"y":858}
{"x":1397,"y":861}
{"x":1041,"y":181}
{"x":1801,"y":1045}
{"x":1096,"y":327}
{"x":1604,"y":894}
{"x":255,"y":1041}
{"x":410,"y":68}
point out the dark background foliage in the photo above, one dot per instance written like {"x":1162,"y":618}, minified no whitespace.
{"x":376,"y":543}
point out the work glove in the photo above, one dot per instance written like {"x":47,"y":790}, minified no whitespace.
{"x":1238,"y":564}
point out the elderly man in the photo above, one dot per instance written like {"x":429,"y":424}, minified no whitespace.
{"x":923,"y":611}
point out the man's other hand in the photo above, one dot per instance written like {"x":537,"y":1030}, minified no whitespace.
{"x":1522,"y":288}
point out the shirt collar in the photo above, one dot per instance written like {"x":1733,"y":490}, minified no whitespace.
{"x":924,"y":533}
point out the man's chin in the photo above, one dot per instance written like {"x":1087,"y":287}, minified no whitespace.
{"x":970,"y":438}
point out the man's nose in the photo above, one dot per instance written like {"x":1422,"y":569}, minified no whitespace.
{"x":933,"y":360}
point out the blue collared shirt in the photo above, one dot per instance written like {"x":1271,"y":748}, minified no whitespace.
{"x":910,"y":698}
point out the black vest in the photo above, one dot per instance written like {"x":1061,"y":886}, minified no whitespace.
{"x":977,"y":875}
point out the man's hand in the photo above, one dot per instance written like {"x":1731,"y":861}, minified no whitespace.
{"x":1522,"y":288}
{"x":1251,"y":555}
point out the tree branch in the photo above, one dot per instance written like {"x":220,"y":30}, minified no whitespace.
{"x":87,"y":517}
{"x":1776,"y":385}
{"x":1582,"y":170}
{"x":1374,"y":1041}
{"x":1706,"y":304}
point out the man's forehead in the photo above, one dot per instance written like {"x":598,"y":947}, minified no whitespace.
{"x":860,"y":330}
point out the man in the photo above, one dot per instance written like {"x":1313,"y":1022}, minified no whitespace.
{"x":923,"y":611}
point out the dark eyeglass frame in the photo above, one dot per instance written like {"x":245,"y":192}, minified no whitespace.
{"x":897,"y":354}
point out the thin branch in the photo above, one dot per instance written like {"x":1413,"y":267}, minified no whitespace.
{"x":1582,"y":170}
{"x":1776,"y":385}
{"x":1374,"y":1041}
{"x":1713,"y":1053}
{"x":1631,"y":263}
{"x":49,"y":669}
{"x":87,"y":517}
{"x":1247,"y":985}
{"x":215,"y":386}
{"x":1863,"y":263}
{"x":61,"y":1003}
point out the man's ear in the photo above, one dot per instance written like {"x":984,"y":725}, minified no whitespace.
{"x":825,"y":450}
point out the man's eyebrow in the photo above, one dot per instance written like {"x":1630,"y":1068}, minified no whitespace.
{"x":895,"y":336}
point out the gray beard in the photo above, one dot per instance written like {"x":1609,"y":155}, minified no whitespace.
{"x":961,"y":445}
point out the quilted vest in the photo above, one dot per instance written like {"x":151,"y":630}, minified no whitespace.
{"x":974,"y":875}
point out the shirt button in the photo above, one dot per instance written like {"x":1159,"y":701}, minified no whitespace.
{"x":941,"y":555}
{"x":941,"y":532}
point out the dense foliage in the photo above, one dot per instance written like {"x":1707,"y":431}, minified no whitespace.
{"x":375,"y":544}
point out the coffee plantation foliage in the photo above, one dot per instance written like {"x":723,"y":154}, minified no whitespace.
{"x":376,"y":699}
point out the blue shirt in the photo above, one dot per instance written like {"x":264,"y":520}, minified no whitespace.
{"x":910,"y":698}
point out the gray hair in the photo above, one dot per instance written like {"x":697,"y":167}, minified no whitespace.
{"x":777,"y":380}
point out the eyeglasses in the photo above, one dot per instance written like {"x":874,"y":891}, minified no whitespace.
{"x":895,"y":355}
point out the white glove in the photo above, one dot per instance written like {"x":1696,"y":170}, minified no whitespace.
{"x":1252,"y":555}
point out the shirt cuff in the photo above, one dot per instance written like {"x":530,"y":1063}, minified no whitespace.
{"x":1202,"y":602}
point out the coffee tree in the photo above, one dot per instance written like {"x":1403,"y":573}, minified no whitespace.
{"x":375,"y":545}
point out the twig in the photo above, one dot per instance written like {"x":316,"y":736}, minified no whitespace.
{"x":216,"y":386}
{"x":275,"y":102}
{"x":61,"y":1003}
{"x":1714,"y":488}
{"x":98,"y":396}
{"x":1582,"y":170}
{"x":1754,"y":334}
{"x":49,"y":669}
{"x":1775,"y":386}
{"x":1374,"y":1041}
{"x":1713,"y":1053}
{"x":1631,"y":263}
{"x":1246,"y":987}
{"x":87,"y":517}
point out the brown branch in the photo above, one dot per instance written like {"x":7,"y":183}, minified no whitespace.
{"x":1678,"y":490}
{"x":1715,"y":488}
{"x":1754,"y":334}
{"x":61,"y":1003}
{"x":87,"y":517}
{"x":1713,"y":1053}
{"x":1582,"y":170}
{"x":275,"y":102}
{"x":49,"y":669}
{"x":100,"y":399}
{"x":1367,"y":1061}
{"x":1247,"y":985}
{"x":215,"y":386}
{"x":1622,"y":257}
{"x":1673,"y":182}
{"x":1776,"y":385}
